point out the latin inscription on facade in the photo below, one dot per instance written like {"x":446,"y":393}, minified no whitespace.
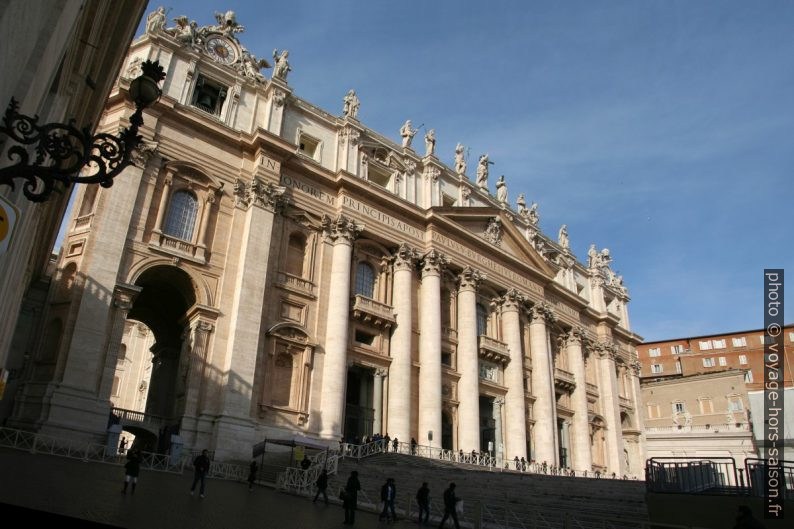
{"x":486,"y":263}
{"x":381,"y":217}
{"x":270,"y":164}
{"x":290,"y":182}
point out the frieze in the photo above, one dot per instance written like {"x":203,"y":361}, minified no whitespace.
{"x":380,"y":217}
{"x":290,"y":182}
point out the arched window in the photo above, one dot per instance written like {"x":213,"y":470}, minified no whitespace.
{"x":89,"y":196}
{"x":282,"y":380}
{"x":296,"y":254}
{"x":365,"y":280}
{"x":181,"y":216}
{"x":482,"y":320}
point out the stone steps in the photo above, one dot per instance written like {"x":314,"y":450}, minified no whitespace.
{"x":520,"y":493}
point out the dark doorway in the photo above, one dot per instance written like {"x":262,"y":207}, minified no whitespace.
{"x":446,"y":431}
{"x":487,"y":425}
{"x":359,"y":410}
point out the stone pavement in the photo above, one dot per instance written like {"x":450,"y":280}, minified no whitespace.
{"x":92,"y":491}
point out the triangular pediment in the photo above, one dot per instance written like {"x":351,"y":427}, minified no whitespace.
{"x":481,"y":222}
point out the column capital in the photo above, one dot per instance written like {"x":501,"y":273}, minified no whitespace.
{"x":341,"y":230}
{"x":405,"y":257}
{"x":470,"y":279}
{"x":541,"y":312}
{"x":381,"y":373}
{"x":124,"y":296}
{"x":605,"y":349}
{"x":257,"y":193}
{"x":574,"y":336}
{"x":512,"y":300}
{"x":636,"y":366}
{"x":499,"y":401}
{"x":204,"y":326}
{"x":433,"y":262}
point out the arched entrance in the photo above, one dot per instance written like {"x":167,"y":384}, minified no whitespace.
{"x":167,"y":294}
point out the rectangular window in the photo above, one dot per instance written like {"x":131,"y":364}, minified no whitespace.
{"x":678,"y":407}
{"x":706,"y":407}
{"x":740,"y":342}
{"x":708,"y":362}
{"x":308,"y":145}
{"x":677,"y":349}
{"x":678,"y":366}
{"x":654,"y":351}
{"x":743,"y":360}
{"x":723,"y":361}
{"x":767,"y":340}
{"x":705,"y":346}
{"x":735,"y":404}
{"x":748,"y":377}
{"x":656,"y":368}
{"x":364,"y":338}
{"x":719,"y":344}
{"x":653,"y":411}
{"x":791,"y":337}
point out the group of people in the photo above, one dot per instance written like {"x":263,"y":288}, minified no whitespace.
{"x":384,"y":439}
{"x":388,"y":495}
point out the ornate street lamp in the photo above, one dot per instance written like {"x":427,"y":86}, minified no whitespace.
{"x":62,"y":151}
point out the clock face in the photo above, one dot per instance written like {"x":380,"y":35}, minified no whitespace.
{"x":221,"y":50}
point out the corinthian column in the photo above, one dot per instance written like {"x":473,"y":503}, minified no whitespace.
{"x":611,"y":407}
{"x":399,"y":403}
{"x":542,"y":386}
{"x":515,"y":412}
{"x":430,"y":347}
{"x":468,"y":364}
{"x":342,"y":232}
{"x":582,"y":458}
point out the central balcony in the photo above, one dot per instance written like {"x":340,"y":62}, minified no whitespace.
{"x":372,"y":312}
{"x":493,"y":350}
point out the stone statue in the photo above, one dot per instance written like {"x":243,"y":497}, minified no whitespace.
{"x":592,"y":257}
{"x":351,"y":105}
{"x":604,"y":258}
{"x":227,"y":24}
{"x":501,"y":191}
{"x":407,"y":133}
{"x":482,"y":172}
{"x":282,"y":67}
{"x":430,"y":142}
{"x":460,"y":160}
{"x":562,"y":237}
{"x":532,"y":214}
{"x":249,"y":66}
{"x":185,"y":32}
{"x":521,"y":204}
{"x":155,"y":21}
{"x":493,"y":233}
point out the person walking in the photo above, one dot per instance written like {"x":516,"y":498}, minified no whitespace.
{"x":395,"y":444}
{"x":387,"y":494}
{"x":306,"y":463}
{"x":386,"y":440}
{"x":201,"y":465}
{"x":423,"y":499}
{"x":350,"y":498}
{"x":252,"y":475}
{"x":131,"y":470}
{"x":322,"y":484}
{"x":413,"y":446}
{"x":450,"y":502}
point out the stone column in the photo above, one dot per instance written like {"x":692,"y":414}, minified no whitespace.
{"x":515,"y":412}
{"x":582,"y":457}
{"x":468,"y":362}
{"x":609,"y":397}
{"x":197,"y":369}
{"x":123,"y":298}
{"x":256,"y":206}
{"x":342,"y":232}
{"x":205,"y":220}
{"x":499,"y":437}
{"x":167,"y":181}
{"x":377,"y":402}
{"x":430,"y":348}
{"x":636,"y":366}
{"x":542,"y":386}
{"x":399,"y":402}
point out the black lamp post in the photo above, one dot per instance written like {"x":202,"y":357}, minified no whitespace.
{"x":62,"y":151}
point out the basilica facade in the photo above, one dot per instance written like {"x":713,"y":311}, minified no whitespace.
{"x":284,"y":269}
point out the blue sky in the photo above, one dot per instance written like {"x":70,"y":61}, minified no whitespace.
{"x":659,"y":129}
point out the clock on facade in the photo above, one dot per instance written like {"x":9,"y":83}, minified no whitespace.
{"x":221,"y":50}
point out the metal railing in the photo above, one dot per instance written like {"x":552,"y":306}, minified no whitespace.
{"x":36,"y":443}
{"x":756,"y":475}
{"x":711,"y":475}
{"x":299,"y":481}
{"x":477,"y":459}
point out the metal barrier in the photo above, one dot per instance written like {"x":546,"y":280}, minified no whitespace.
{"x":99,"y":453}
{"x":712,"y":475}
{"x":301,"y":481}
{"x":756,"y":470}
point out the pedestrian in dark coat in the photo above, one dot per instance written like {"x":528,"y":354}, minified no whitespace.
{"x":423,"y":499}
{"x":251,"y":475}
{"x":450,"y":501}
{"x":322,"y":484}
{"x":351,"y":497}
{"x":131,"y":470}
{"x":201,"y":465}
{"x":388,"y":492}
